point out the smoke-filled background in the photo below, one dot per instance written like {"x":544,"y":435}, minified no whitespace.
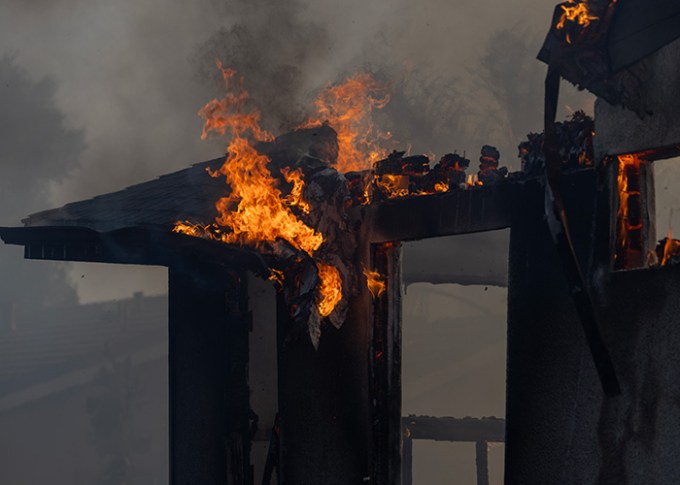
{"x":98,"y":95}
{"x":125,"y":81}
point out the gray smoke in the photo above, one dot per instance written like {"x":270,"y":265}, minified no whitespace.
{"x":36,"y":148}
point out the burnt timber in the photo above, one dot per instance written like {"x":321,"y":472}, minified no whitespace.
{"x":133,"y":227}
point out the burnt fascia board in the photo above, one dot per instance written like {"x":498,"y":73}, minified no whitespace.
{"x":135,"y":245}
{"x":452,"y":213}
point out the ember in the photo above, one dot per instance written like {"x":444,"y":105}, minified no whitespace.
{"x":400,"y":176}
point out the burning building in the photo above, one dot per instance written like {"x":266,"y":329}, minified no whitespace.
{"x":322,"y":212}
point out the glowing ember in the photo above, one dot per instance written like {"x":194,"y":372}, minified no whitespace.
{"x":576,"y":12}
{"x":255,"y":211}
{"x":347,"y":108}
{"x":375,"y":282}
{"x":330,"y":289}
{"x":441,"y":187}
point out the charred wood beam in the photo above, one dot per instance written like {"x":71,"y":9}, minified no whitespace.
{"x":454,"y":429}
{"x":386,"y":366}
{"x":139,"y":245}
{"x":447,"y":214}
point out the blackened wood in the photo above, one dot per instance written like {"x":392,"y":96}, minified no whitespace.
{"x":208,"y":357}
{"x":386,"y":367}
{"x":323,"y":402}
{"x":147,"y":246}
{"x":454,"y":429}
{"x":482,"y":461}
{"x":456,"y":212}
{"x":407,"y":461}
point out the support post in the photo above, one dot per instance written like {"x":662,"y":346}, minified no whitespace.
{"x":208,"y":358}
{"x":482,"y":461}
{"x":386,"y":366}
{"x":323,"y":401}
{"x":407,"y":461}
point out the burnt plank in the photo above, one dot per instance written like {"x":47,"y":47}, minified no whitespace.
{"x":457,"y":212}
{"x":455,"y":429}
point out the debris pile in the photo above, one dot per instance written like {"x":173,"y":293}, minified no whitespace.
{"x":575,"y":145}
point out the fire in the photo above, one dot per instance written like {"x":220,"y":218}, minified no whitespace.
{"x":671,"y":248}
{"x":347,"y":108}
{"x":629,"y":222}
{"x":255,"y":212}
{"x":441,"y":187}
{"x":473,"y":181}
{"x":295,"y":199}
{"x":393,"y":186}
{"x":330,"y":288}
{"x":576,"y":12}
{"x":375,"y":282}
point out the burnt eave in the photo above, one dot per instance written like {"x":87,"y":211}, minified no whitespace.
{"x":134,"y":245}
{"x":478,"y":209}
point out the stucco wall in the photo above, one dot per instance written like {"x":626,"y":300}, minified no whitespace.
{"x":619,"y":130}
{"x":561,"y":429}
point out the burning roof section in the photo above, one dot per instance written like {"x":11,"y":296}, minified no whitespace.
{"x":599,"y":45}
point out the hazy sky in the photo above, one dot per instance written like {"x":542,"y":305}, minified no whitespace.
{"x":132,"y":73}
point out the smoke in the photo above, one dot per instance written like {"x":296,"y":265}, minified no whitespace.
{"x":274,"y":50}
{"x":28,"y":116}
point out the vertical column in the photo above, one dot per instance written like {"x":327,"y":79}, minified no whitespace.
{"x":407,"y":461}
{"x":208,"y":357}
{"x":482,"y":460}
{"x":386,"y":367}
{"x":324,"y":401}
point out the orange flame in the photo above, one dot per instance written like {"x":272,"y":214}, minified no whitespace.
{"x":671,"y":248}
{"x":473,"y":181}
{"x":330,"y":288}
{"x":629,"y":231}
{"x":441,"y":187}
{"x":393,"y":186}
{"x":255,"y":211}
{"x":577,"y":12}
{"x":295,"y":199}
{"x":347,"y":108}
{"x":375,"y":282}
